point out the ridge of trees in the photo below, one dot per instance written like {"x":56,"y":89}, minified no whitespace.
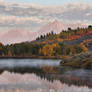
{"x":51,"y":44}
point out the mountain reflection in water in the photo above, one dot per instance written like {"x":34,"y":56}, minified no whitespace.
{"x":44,"y":78}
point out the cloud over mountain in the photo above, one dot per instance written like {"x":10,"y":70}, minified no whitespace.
{"x":17,"y":36}
{"x":31,"y":15}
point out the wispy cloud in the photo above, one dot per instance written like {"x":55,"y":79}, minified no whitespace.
{"x":1,"y":1}
{"x":31,"y":14}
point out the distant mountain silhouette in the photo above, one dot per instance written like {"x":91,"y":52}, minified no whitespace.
{"x":57,"y":27}
{"x":17,"y":36}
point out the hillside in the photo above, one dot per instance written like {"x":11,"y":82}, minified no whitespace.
{"x":51,"y":45}
{"x":19,"y":35}
{"x":69,"y":36}
{"x":83,"y":60}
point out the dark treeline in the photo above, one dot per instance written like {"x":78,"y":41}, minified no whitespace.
{"x":28,"y":49}
{"x":48,"y":36}
{"x":21,"y":49}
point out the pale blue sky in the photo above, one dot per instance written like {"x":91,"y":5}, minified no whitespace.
{"x":48,"y":2}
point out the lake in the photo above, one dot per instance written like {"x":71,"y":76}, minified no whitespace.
{"x":42,"y":75}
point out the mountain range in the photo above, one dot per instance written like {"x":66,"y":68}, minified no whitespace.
{"x":17,"y":36}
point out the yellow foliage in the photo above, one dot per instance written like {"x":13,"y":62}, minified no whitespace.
{"x":49,"y":50}
{"x":85,"y":49}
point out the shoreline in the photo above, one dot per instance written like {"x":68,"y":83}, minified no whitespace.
{"x":83,"y":60}
{"x":29,"y":57}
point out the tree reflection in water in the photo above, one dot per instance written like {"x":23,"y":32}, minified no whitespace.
{"x":51,"y":74}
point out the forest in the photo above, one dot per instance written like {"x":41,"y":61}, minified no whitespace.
{"x":52,"y":44}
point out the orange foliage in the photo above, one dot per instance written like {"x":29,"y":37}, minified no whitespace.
{"x":59,"y":40}
{"x":85,"y":49}
{"x":74,"y":37}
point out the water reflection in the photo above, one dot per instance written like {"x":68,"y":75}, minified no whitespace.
{"x":15,"y":82}
{"x":11,"y":63}
{"x":44,"y":78}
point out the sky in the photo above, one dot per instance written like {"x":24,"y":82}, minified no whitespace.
{"x":31,"y":15}
{"x":48,"y":2}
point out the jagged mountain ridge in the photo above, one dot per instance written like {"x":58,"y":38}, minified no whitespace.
{"x":17,"y":36}
{"x":58,"y":27}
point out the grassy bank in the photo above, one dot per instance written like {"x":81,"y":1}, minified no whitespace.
{"x":79,"y":61}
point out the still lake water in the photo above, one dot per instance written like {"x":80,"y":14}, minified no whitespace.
{"x":39,"y":75}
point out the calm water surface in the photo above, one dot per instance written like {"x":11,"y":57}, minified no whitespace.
{"x":39,"y":75}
